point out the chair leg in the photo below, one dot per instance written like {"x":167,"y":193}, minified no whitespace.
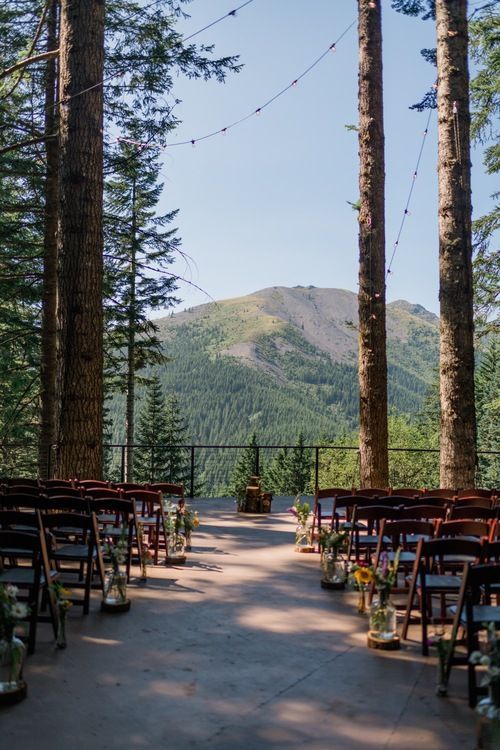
{"x":409,"y":606}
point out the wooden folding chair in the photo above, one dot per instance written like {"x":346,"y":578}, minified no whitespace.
{"x":480,"y":585}
{"x":431,"y":576}
{"x":75,"y":551}
{"x":24,"y":563}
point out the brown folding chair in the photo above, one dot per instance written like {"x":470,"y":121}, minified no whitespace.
{"x":477,"y":512}
{"x":322,"y":498}
{"x":475,"y":608}
{"x":403,"y":535}
{"x":24,"y":563}
{"x":424,"y":512}
{"x":115,"y":518}
{"x":150,"y":515}
{"x":370,"y":517}
{"x":431,"y":576}
{"x":75,"y":551}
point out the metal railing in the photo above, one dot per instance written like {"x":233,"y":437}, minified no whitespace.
{"x":208,"y":467}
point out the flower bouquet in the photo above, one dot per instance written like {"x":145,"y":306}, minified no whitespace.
{"x":382,"y":626}
{"x":332,"y":544}
{"x":115,"y":580}
{"x":488,"y":709}
{"x":12,"y":649}
{"x":63,"y":604}
{"x":303,"y":532}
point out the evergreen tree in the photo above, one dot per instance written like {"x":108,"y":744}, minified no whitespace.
{"x":299,"y":467}
{"x":150,"y":457}
{"x":485,"y":101}
{"x":458,"y":418}
{"x":372,"y":369}
{"x":138,"y":252}
{"x":244,"y":468}
{"x":289,"y":473}
{"x":161,"y":431}
{"x":488,"y":415}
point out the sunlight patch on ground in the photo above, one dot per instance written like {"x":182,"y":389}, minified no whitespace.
{"x":305,"y":619}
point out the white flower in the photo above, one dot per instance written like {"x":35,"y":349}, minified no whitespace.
{"x":19,"y":611}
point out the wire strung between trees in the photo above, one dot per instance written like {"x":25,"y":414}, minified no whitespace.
{"x":253,"y":113}
{"x":218,"y":20}
{"x":414,"y":177}
{"x":121,"y":72}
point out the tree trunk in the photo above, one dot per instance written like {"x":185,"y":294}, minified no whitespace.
{"x":371,"y":297}
{"x":131,"y":360}
{"x":458,"y":429}
{"x":48,"y":345}
{"x":80,"y":354}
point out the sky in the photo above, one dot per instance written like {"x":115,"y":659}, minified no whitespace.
{"x":267,"y":204}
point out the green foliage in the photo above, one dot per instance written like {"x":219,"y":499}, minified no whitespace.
{"x":138,"y":252}
{"x":485,"y":101}
{"x":488,"y":415}
{"x":289,"y":473}
{"x":244,"y":468}
{"x":161,"y":430}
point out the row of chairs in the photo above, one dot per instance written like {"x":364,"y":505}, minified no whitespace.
{"x":79,"y":488}
{"x":142,"y":510}
{"x":455,"y":561}
{"x":42,"y":537}
{"x":465,"y":575}
{"x":38,"y":549}
{"x":340,"y":509}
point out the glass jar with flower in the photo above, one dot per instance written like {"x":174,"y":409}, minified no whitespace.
{"x":115,"y":579}
{"x":303,"y":531}
{"x":488,"y":709}
{"x":63,"y":604}
{"x":175,"y":539}
{"x":362,"y":576}
{"x":12,"y":649}
{"x":332,"y":544}
{"x":382,"y":628}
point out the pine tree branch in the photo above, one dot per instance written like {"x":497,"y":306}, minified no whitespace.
{"x":30,"y":142}
{"x":28,"y":61}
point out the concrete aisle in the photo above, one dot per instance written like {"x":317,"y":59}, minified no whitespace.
{"x":239,"y":648}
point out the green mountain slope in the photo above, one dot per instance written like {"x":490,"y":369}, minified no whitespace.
{"x":283,"y":360}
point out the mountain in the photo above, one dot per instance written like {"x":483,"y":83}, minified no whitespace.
{"x":282,"y":360}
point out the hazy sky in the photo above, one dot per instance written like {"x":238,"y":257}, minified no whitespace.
{"x":267,"y":203}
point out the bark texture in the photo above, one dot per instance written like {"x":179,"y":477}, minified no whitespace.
{"x":80,"y":353}
{"x":373,"y":440}
{"x":458,"y":432}
{"x":48,"y":345}
{"x":131,"y":344}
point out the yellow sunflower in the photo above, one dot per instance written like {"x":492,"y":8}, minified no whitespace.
{"x":363,"y":576}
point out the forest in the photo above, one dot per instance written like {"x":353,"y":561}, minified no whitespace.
{"x":87,"y":101}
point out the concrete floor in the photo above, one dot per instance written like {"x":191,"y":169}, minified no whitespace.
{"x":239,"y":648}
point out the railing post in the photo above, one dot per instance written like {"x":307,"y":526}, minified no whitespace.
{"x":191,"y":479}
{"x":316,"y":467}
{"x":122,"y":468}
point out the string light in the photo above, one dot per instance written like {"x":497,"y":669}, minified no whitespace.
{"x":232,"y":14}
{"x":254,"y":112}
{"x":65,"y":100}
{"x":413,"y":181}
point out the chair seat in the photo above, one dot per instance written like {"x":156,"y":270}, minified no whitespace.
{"x":72,"y":552}
{"x":436,"y":582}
{"x":486,"y":613}
{"x":24,"y":577}
{"x":405,"y":556}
